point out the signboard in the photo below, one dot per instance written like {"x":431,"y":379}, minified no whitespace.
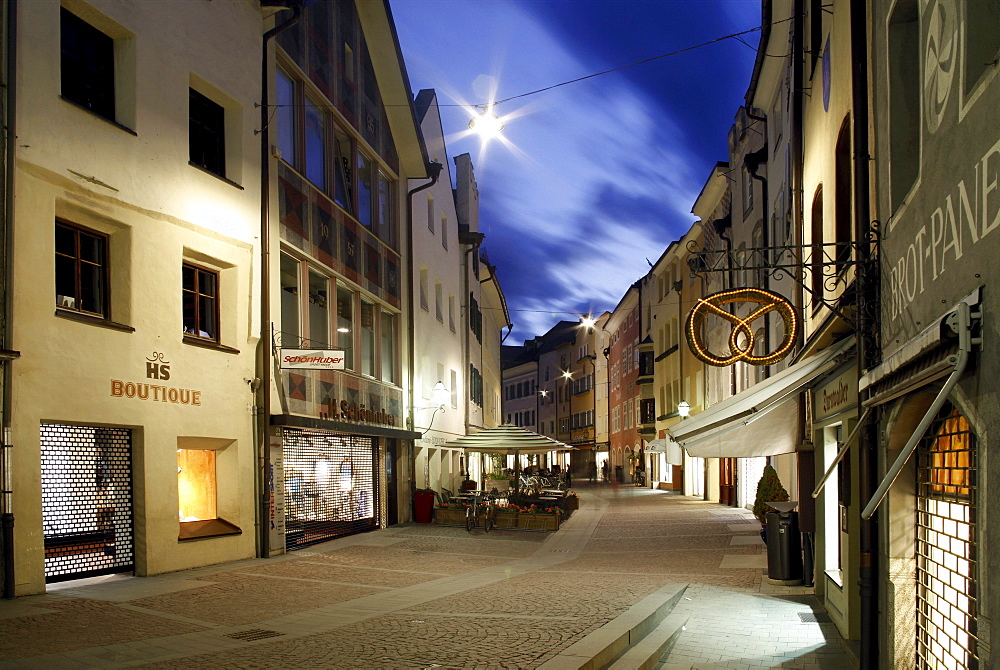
{"x":741,"y":339}
{"x":311,"y":359}
{"x":836,"y":395}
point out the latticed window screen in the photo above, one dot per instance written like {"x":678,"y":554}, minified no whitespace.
{"x":86,"y":501}
{"x":331,"y":486}
{"x":947,"y":562}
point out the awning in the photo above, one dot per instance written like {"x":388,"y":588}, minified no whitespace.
{"x":666,"y":446}
{"x":507,"y":439}
{"x":766,"y":414}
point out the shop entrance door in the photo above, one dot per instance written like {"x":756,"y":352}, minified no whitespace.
{"x":86,"y":501}
{"x":727,"y":481}
{"x":331,"y":486}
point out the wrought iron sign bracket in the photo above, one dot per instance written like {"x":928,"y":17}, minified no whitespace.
{"x":800,"y":263}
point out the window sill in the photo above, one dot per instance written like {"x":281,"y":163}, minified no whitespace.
{"x":217,"y":176}
{"x":208,"y":344}
{"x":101,"y":117}
{"x":93,"y":320}
{"x":836,"y":576}
{"x":197,"y":530}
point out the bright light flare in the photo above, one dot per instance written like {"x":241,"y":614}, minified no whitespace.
{"x":486,"y":124}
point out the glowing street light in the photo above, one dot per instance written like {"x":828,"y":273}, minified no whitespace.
{"x":486,"y":124}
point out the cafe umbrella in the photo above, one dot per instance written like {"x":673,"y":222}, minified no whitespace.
{"x":508,"y":440}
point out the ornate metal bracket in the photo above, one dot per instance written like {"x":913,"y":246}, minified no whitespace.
{"x":819,"y":269}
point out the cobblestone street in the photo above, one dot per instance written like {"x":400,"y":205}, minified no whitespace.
{"x":424,"y":596}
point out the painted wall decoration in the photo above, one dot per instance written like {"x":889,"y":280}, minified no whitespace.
{"x":742,"y":341}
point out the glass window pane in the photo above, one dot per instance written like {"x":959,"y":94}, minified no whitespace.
{"x":364,"y":212}
{"x":289,"y":301}
{"x":315,"y":145}
{"x":285,"y":94}
{"x":319,"y":310}
{"x":65,"y":282}
{"x":367,"y":338}
{"x":65,"y":240}
{"x":92,"y":248}
{"x":187,"y":278}
{"x":345,"y":325}
{"x":206,"y":318}
{"x":91,"y":289}
{"x":343,"y":190}
{"x":388,"y":336}
{"x":190,"y":315}
{"x":206,"y":283}
{"x":386,"y":230}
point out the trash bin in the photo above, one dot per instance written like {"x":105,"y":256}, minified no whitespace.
{"x":784,"y":546}
{"x":619,"y":474}
{"x":423,"y":506}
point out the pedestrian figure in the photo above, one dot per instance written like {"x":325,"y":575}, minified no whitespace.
{"x":604,"y":471}
{"x":592,"y":468}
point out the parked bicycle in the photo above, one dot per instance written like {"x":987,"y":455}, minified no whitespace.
{"x":484,"y":505}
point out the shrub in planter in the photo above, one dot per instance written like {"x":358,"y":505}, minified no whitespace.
{"x":769,"y":489}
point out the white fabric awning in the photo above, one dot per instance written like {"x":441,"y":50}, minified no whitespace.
{"x":760,"y":421}
{"x":666,"y":446}
{"x":507,"y":439}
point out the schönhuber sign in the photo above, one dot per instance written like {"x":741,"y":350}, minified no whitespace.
{"x":311,"y":359}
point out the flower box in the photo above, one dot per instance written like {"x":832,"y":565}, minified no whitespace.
{"x":545,"y":522}
{"x":572,"y":502}
{"x":449,"y":517}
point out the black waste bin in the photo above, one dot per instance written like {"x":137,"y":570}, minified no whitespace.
{"x":784,"y":546}
{"x":619,"y":474}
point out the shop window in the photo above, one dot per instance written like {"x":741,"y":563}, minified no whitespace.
{"x":81,"y":270}
{"x":200,"y":291}
{"x":87,"y":65}
{"x":198,"y":491}
{"x":207,"y":133}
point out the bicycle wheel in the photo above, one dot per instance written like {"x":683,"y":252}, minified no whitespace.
{"x":490,"y":519}
{"x":470,"y":519}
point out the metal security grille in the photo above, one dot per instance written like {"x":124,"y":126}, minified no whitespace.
{"x":331,"y":487}
{"x":86,"y":501}
{"x":947,"y":590}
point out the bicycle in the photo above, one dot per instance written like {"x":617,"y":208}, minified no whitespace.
{"x":487,"y":508}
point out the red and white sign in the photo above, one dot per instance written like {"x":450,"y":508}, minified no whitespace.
{"x":311,"y":359}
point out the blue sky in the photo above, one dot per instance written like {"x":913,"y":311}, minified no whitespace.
{"x":594,"y":177}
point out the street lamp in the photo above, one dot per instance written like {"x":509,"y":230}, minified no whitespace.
{"x":684,"y":409}
{"x":439,"y":397}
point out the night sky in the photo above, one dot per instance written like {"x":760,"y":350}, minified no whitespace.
{"x":590,"y":179}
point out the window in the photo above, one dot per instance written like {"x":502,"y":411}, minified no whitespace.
{"x":289,"y":271}
{"x":842,"y":214}
{"x":345,"y":325}
{"x":817,"y":247}
{"x":81,"y":270}
{"x":451,"y":311}
{"x":365,"y":185}
{"x":982,"y":40}
{"x":388,"y":337}
{"x":200,"y":290}
{"x":343,"y":188}
{"x":315,"y":138}
{"x":204,"y":467}
{"x":196,"y":489}
{"x":285,"y":100}
{"x":386,"y":224}
{"x":430,"y":213}
{"x":319,"y":310}
{"x":367,"y":338}
{"x":423,"y":289}
{"x":87,"y":66}
{"x":207,"y":133}
{"x":438,"y":300}
{"x":444,"y":231}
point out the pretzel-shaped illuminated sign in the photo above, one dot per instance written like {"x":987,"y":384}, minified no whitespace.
{"x":740,"y":351}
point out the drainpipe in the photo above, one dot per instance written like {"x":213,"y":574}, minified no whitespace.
{"x":9,"y":138}
{"x":868,"y":349}
{"x":262,"y":429}
{"x":434,"y":171}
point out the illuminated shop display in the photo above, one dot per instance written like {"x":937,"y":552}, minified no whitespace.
{"x":742,"y":340}
{"x":331,"y":487}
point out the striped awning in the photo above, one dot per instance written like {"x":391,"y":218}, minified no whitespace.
{"x":507,"y":439}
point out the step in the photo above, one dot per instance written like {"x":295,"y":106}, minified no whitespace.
{"x":614,"y":639}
